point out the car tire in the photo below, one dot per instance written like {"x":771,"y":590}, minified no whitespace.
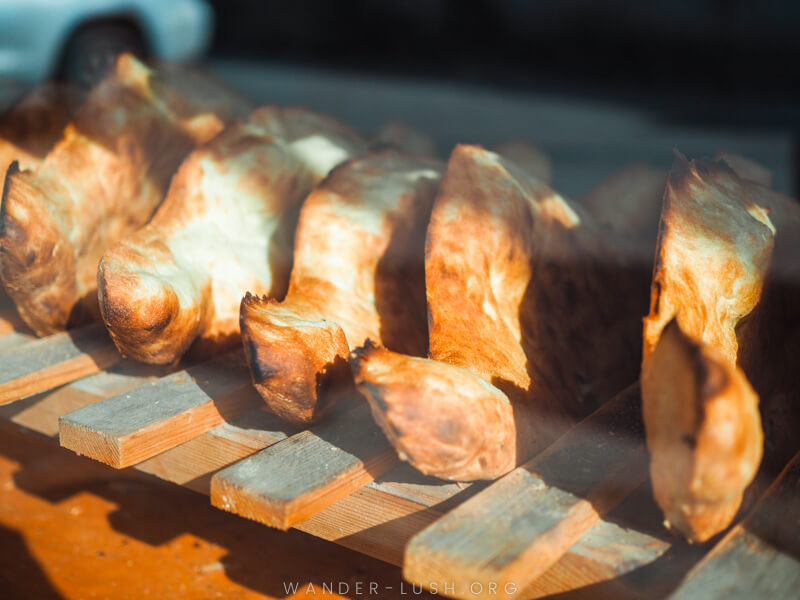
{"x":92,"y":50}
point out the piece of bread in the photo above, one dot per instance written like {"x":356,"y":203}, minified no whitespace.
{"x":34,"y":124}
{"x":100,"y":182}
{"x":703,"y":432}
{"x":358,"y":273}
{"x":534,"y":319}
{"x":226,"y":226}
{"x":723,"y":311}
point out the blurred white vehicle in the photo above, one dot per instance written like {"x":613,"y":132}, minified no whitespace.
{"x":77,"y":39}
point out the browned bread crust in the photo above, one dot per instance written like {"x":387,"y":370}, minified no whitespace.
{"x":726,"y":280}
{"x":101,"y":181}
{"x":703,"y":432}
{"x":357,"y":275}
{"x":226,"y":226}
{"x":533,"y":316}
{"x":470,"y":432}
{"x":714,"y":247}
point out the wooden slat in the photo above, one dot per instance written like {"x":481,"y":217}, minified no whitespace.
{"x":132,"y":427}
{"x":378,"y":519}
{"x":193,"y":463}
{"x":759,"y":557}
{"x":291,"y":481}
{"x":13,"y":340}
{"x":41,"y":412}
{"x":513,"y":531}
{"x":49,"y":362}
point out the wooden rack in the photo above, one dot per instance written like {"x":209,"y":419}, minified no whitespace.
{"x":579,"y":517}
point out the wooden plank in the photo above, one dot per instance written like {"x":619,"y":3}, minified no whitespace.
{"x":193,"y":463}
{"x":41,"y":412}
{"x":13,"y":340}
{"x":597,"y":564}
{"x":629,"y":554}
{"x":759,"y":557}
{"x":129,"y":428}
{"x":58,"y":359}
{"x":377,"y":520}
{"x":512,"y":532}
{"x":291,"y":481}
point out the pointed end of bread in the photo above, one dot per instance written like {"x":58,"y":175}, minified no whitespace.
{"x":703,"y":432}
{"x":148,"y":318}
{"x":36,"y":257}
{"x":12,"y":170}
{"x":298,"y":360}
{"x":442,"y":419}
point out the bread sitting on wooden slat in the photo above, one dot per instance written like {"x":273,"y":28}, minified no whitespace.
{"x":358,"y":273}
{"x":100,"y":182}
{"x":226,"y":227}
{"x":534,"y":315}
{"x":723,"y":305}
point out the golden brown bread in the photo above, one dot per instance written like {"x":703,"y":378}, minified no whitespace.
{"x":703,"y":432}
{"x":101,"y":181}
{"x":533,"y":317}
{"x":33,"y":125}
{"x":226,"y":226}
{"x":725,"y":279}
{"x":358,"y":273}
{"x":714,"y":247}
{"x":469,"y":433}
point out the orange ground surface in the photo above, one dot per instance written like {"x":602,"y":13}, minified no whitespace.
{"x":72,"y":528}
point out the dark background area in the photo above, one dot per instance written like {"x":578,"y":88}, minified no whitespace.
{"x":726,"y":63}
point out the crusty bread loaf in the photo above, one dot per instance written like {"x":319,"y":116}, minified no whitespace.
{"x":100,"y":182}
{"x":703,"y":432}
{"x":534,"y":315}
{"x":714,"y":248}
{"x":226,"y":226}
{"x":723,"y":308}
{"x":358,"y":273}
